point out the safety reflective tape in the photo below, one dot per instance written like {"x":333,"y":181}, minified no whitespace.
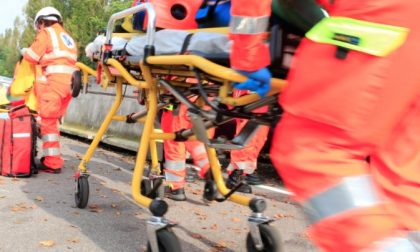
{"x":54,"y":38}
{"x":41,"y":78}
{"x":247,"y":166}
{"x":50,"y":138}
{"x":60,"y":54}
{"x":51,"y":152}
{"x":32,"y":54}
{"x":199,"y":150}
{"x":174,"y":165}
{"x":21,"y":135}
{"x":59,"y":69}
{"x":202,"y":163}
{"x":248,"y":25}
{"x":351,"y":193}
{"x":411,"y":243}
{"x":172,"y":177}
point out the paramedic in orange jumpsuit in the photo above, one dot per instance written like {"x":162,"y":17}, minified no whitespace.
{"x":56,"y":53}
{"x":348,"y":143}
{"x":177,"y":14}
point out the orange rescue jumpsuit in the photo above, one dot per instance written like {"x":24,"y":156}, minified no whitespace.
{"x":175,"y":152}
{"x":55,"y":51}
{"x":348,"y":144}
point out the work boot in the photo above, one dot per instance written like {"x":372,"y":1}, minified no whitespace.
{"x":234,"y":178}
{"x":177,"y":194}
{"x":253,"y":179}
{"x":42,"y":167}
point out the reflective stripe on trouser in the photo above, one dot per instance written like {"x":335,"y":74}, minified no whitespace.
{"x":175,"y":173}
{"x":51,"y":144}
{"x":327,"y":172}
{"x":246,"y":158}
{"x":199,"y":156}
{"x":409,"y":243}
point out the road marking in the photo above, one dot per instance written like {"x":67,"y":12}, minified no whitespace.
{"x":280,"y":190}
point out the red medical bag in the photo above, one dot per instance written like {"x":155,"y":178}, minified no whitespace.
{"x":17,"y":142}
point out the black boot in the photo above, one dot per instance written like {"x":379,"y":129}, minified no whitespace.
{"x":235,"y":178}
{"x":177,"y":194}
{"x":253,"y":179}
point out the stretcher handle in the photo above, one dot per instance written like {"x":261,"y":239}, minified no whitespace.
{"x":151,"y":21}
{"x":207,"y":67}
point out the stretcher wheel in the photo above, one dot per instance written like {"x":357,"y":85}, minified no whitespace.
{"x":270,"y":238}
{"x":81,"y":194}
{"x":76,"y":83}
{"x":210,"y":190}
{"x":167,"y":241}
{"x":147,"y":186}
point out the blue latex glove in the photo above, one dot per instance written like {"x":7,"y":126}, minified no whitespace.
{"x":258,"y":81}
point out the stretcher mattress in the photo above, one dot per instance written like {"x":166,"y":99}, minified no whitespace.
{"x":167,"y":42}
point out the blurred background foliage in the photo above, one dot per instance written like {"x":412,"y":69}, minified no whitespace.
{"x":82,"y":19}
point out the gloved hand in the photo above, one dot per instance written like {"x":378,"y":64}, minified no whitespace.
{"x":258,"y":81}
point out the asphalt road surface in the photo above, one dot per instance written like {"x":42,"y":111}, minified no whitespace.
{"x":39,"y":213}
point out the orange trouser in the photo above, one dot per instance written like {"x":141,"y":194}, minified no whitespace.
{"x":246,"y":158}
{"x":175,"y":152}
{"x":348,"y":145}
{"x":53,"y":98}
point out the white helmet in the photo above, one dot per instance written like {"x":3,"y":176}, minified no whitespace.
{"x":47,"y":13}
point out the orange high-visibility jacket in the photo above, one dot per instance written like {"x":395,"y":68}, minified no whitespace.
{"x":248,"y":30}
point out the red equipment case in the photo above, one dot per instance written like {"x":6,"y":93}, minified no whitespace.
{"x":17,"y":143}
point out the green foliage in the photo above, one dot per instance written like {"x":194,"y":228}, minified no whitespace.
{"x":82,"y":19}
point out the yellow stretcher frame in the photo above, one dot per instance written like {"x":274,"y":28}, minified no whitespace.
{"x":148,"y":79}
{"x":150,"y":135}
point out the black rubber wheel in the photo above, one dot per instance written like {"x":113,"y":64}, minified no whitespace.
{"x":81,"y":194}
{"x":76,"y":83}
{"x":210,"y":190}
{"x":270,"y":238}
{"x":167,"y":241}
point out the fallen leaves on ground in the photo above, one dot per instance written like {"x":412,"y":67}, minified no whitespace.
{"x":95,"y":209}
{"x":74,"y":240}
{"x":196,"y":236}
{"x":47,"y":244}
{"x":220,"y":244}
{"x":21,"y":207}
{"x":236,"y":219}
{"x":39,"y":198}
{"x":213,"y":227}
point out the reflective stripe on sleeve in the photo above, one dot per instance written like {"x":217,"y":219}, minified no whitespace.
{"x":50,"y":138}
{"x":248,"y":25}
{"x":199,"y":150}
{"x":62,"y":69}
{"x":51,"y":152}
{"x":32,"y":54}
{"x":351,"y":193}
{"x":60,"y":54}
{"x":54,"y":38}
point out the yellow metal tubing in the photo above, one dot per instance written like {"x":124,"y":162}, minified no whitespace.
{"x":207,"y":67}
{"x":126,"y":75}
{"x":168,"y":136}
{"x":86,"y":69}
{"x":103,"y":128}
{"x":145,"y":138}
{"x":218,"y":178}
{"x":154,"y":166}
{"x":123,"y":118}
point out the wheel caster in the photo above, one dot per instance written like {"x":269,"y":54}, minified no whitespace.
{"x":210,"y":190}
{"x":167,"y":241}
{"x":148,"y":188}
{"x":270,"y":239}
{"x":76,"y":83}
{"x":81,"y":193}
